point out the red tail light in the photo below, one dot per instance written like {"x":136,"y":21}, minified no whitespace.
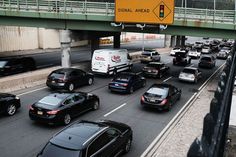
{"x":53,"y":112}
{"x":164,"y":102}
{"x":142,"y":98}
{"x":125,"y":84}
{"x":31,"y":108}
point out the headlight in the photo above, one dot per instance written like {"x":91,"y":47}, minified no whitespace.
{"x":17,"y":98}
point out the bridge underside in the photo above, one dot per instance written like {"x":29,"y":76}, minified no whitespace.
{"x":190,"y":28}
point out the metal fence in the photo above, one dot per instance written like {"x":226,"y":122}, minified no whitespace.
{"x":107,"y":9}
{"x":215,"y":125}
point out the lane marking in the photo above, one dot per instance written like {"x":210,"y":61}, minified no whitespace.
{"x":167,"y":79}
{"x":115,"y":110}
{"x":31,"y":91}
{"x":156,"y":143}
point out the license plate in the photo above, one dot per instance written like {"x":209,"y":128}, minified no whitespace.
{"x":40,"y":113}
{"x":53,"y":81}
{"x":116,"y":85}
{"x":152,"y":100}
{"x":149,"y":71}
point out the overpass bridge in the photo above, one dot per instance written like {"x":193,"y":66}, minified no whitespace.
{"x":98,"y":16}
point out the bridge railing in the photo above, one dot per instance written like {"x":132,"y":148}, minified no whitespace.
{"x":107,"y":9}
{"x":216,"y":122}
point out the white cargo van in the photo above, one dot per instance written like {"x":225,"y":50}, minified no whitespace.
{"x":110,"y":61}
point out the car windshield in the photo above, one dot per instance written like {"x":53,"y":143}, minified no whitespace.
{"x":2,"y":63}
{"x":52,"y":150}
{"x":50,"y":100}
{"x":158,"y":92}
{"x":189,"y":71}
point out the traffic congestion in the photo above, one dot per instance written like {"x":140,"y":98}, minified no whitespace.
{"x":125,"y":97}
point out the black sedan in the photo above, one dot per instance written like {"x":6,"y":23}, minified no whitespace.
{"x":127,"y":82}
{"x":87,"y":139}
{"x":61,"y":107}
{"x":9,"y":103}
{"x":161,"y":96}
{"x":69,"y":79}
{"x":155,"y":69}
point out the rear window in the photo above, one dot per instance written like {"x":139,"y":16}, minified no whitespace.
{"x":206,"y":59}
{"x":124,"y":78}
{"x":176,"y":48}
{"x":52,"y":150}
{"x":154,"y":65}
{"x":2,"y":63}
{"x":146,"y":53}
{"x":158,"y":92}
{"x":58,"y":74}
{"x":189,"y":71}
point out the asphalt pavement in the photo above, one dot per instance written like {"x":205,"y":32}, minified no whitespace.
{"x":24,"y":138}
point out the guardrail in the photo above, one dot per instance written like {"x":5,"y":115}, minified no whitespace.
{"x":215,"y":126}
{"x":107,"y":9}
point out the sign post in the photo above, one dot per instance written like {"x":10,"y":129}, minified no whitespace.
{"x":144,"y":11}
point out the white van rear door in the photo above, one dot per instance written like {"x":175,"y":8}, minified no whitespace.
{"x":99,"y":63}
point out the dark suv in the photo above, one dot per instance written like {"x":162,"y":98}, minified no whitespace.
{"x":181,"y":58}
{"x":207,"y":61}
{"x":16,"y":65}
{"x":68,"y":78}
{"x":87,"y":139}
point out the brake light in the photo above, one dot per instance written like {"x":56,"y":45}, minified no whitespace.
{"x":31,"y":108}
{"x":164,"y":102}
{"x":142,"y":98}
{"x":53,"y":112}
{"x":125,"y":84}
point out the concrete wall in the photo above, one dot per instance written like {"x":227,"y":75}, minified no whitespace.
{"x":15,"y":40}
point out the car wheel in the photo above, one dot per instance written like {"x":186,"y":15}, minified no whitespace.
{"x":96,"y":105}
{"x":11,"y":110}
{"x":71,"y":87}
{"x":67,"y":119}
{"x":131,"y":90}
{"x":127,"y":145}
{"x":90,"y":81}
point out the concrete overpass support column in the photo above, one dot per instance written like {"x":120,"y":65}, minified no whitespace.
{"x":94,"y":44}
{"x":173,"y":41}
{"x":182,"y":41}
{"x":116,"y":40}
{"x":65,"y":40}
{"x":167,"y":41}
{"x":178,"y":40}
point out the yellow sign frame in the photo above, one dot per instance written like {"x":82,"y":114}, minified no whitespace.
{"x":145,"y":11}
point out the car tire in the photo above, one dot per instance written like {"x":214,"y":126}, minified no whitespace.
{"x":90,"y":81}
{"x":127,"y":146}
{"x":131,"y":90}
{"x":96,"y":105}
{"x":67,"y":119}
{"x":71,"y":87}
{"x":11,"y":109}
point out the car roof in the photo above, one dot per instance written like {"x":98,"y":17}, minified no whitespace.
{"x":78,"y":135}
